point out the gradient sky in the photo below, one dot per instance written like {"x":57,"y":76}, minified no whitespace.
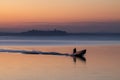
{"x":19,"y":12}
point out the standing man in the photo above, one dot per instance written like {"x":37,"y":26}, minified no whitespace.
{"x":74,"y":51}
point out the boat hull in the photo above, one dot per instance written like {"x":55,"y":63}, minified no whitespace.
{"x":80,"y":53}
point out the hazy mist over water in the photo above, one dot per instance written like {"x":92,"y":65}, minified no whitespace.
{"x":60,"y":40}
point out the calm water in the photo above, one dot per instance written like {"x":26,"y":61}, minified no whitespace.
{"x":61,"y":40}
{"x":102,"y":59}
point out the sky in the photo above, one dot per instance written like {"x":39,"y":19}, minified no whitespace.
{"x":69,"y":15}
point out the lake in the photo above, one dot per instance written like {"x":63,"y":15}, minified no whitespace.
{"x":60,"y":40}
{"x":102,"y":58}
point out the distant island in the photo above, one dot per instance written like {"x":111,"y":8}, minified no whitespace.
{"x":36,"y":33}
{"x":54,"y":32}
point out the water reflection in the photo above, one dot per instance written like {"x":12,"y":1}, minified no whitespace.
{"x":83,"y":59}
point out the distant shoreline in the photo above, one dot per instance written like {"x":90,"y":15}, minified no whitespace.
{"x":52,"y":33}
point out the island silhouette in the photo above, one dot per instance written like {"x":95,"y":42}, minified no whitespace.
{"x":35,"y":33}
{"x":54,"y":32}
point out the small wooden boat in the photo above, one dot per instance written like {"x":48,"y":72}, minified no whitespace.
{"x":80,"y":53}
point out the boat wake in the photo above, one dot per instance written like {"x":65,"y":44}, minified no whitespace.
{"x":80,"y":54}
{"x":32,"y":52}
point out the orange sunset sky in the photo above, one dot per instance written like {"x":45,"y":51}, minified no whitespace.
{"x":52,"y":11}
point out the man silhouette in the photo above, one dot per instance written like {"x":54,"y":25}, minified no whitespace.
{"x":74,"y":51}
